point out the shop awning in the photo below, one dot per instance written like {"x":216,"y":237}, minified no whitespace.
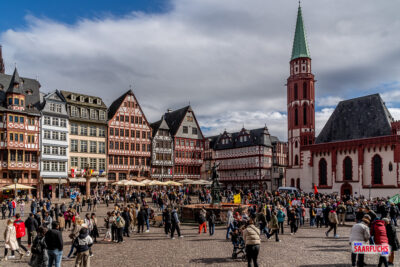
{"x":53,"y":181}
{"x":100,"y":180}
{"x":77,"y":180}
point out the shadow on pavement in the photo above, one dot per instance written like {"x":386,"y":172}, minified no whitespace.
{"x":211,"y":260}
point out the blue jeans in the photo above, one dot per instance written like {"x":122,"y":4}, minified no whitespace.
{"x":148,"y":223}
{"x":312,"y":221}
{"x":211,"y":228}
{"x":230,"y":228}
{"x":394,"y":220}
{"x":55,"y":256}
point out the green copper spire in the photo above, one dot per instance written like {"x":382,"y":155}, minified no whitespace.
{"x":300,"y":47}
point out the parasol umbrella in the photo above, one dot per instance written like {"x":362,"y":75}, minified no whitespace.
{"x":154,"y":182}
{"x":16,"y":186}
{"x":186,"y":181}
{"x":146,"y":182}
{"x":395,"y":199}
{"x":134,"y":183}
{"x":122,"y":182}
{"x":173,"y":183}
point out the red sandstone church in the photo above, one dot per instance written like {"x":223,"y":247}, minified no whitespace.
{"x":357,"y":151}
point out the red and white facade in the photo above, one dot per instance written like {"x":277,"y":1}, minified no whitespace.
{"x":129,"y":140}
{"x":353,"y":166}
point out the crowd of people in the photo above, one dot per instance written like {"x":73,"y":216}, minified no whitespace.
{"x":132,"y":212}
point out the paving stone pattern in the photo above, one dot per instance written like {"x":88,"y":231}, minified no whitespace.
{"x":308,"y":248}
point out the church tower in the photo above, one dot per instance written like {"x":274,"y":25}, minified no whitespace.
{"x":300,"y":96}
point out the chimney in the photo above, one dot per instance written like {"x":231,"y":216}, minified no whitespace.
{"x":169,"y":110}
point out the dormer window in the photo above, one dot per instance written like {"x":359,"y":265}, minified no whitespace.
{"x":98,"y":102}
{"x":16,"y":101}
{"x":90,"y":100}
{"x":10,"y":101}
{"x":29,"y":92}
{"x":82,"y":99}
{"x":73,"y":97}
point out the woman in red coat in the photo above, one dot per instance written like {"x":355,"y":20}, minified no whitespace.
{"x":380,"y":238}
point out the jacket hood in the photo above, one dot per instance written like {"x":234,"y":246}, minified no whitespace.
{"x":83,"y":233}
{"x":379,"y":223}
{"x":332,"y":211}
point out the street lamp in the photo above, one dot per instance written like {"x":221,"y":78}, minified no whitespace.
{"x":370,"y":186}
{"x":15,"y":185}
{"x":97,"y":185}
{"x":59,"y":189}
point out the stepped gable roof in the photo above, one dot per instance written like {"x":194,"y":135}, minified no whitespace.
{"x":259,"y":136}
{"x":357,"y":118}
{"x":174,"y":118}
{"x":30,"y":90}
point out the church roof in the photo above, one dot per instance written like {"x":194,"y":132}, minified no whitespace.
{"x":357,"y":118}
{"x":300,"y":47}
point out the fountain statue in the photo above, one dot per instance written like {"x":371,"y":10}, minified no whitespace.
{"x":215,"y":186}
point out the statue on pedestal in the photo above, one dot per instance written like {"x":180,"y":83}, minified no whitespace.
{"x":215,"y":186}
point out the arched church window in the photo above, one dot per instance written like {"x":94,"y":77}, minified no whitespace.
{"x":296,"y":160}
{"x":295,"y":92}
{"x":348,"y":169}
{"x":292,"y":182}
{"x":305,"y":107}
{"x":304,"y":90}
{"x":390,"y":166}
{"x":322,"y":166}
{"x":298,"y":183}
{"x":295,"y":144}
{"x":376,"y":170}
{"x":296,"y":116}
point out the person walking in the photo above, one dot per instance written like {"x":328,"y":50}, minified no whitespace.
{"x":54,"y":242}
{"x":281,"y":219}
{"x":32,"y":226}
{"x":230,"y":221}
{"x":175,"y":224}
{"x":141,"y":219}
{"x":120,"y":223}
{"x":95,"y":231}
{"x":251,"y":236}
{"x":10,"y":240}
{"x":20,"y":232}
{"x":167,"y":220}
{"x":74,"y":234}
{"x":378,"y":231}
{"x":393,"y":240}
{"x":39,"y":257}
{"x":82,"y":244}
{"x":333,"y":222}
{"x":211,"y":223}
{"x":359,"y":233}
{"x":341,"y":212}
{"x":292,"y":219}
{"x":202,"y":221}
{"x":393,"y":212}
{"x":274,"y":228}
{"x":127,"y":219}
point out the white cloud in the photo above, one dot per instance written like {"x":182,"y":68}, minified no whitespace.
{"x":229,"y":58}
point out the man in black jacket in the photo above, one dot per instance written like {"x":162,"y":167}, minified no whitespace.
{"x":127,"y":219}
{"x":54,"y":242}
{"x":166,"y":216}
{"x":31,"y":226}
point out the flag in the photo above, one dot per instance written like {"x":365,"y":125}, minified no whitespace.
{"x":73,"y":174}
{"x":315,"y":189}
{"x":101,"y":172}
{"x":236,"y":199}
{"x":83,"y":172}
{"x":169,"y":171}
{"x":395,"y":199}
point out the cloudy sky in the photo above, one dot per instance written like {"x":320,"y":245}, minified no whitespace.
{"x":228,"y":58}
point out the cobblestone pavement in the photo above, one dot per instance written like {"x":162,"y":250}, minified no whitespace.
{"x":308,"y":248}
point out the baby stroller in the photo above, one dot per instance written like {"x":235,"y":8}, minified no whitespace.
{"x":238,"y":245}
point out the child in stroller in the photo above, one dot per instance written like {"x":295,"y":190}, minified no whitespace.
{"x":238,"y":244}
